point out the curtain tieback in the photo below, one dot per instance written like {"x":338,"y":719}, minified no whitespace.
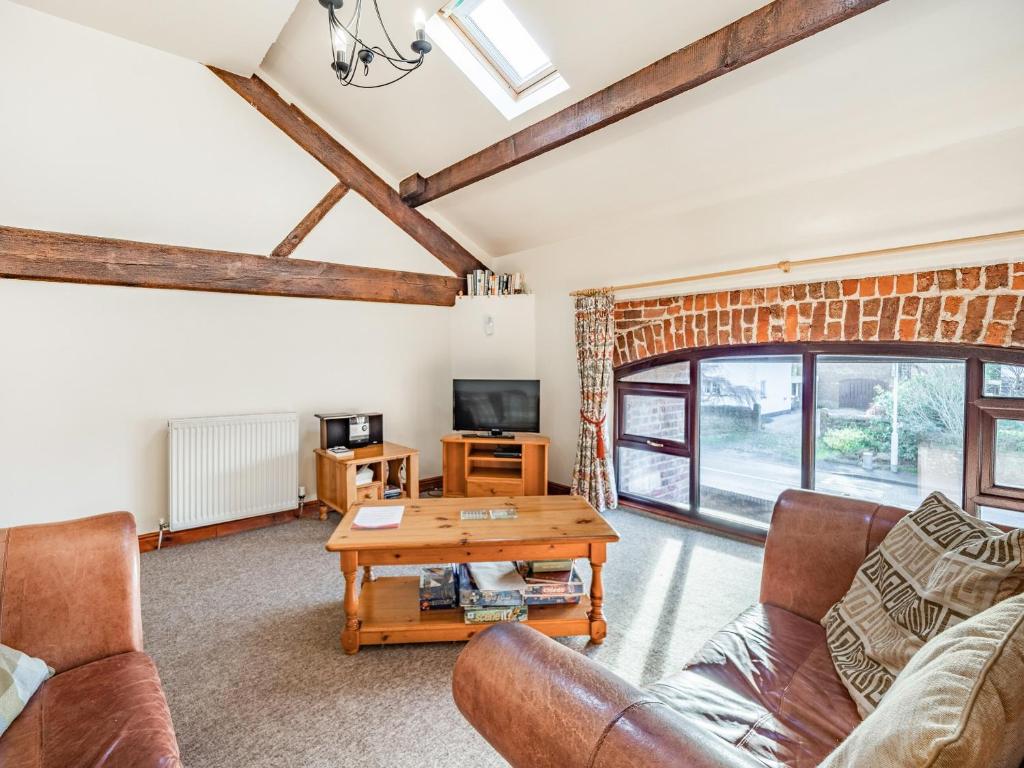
{"x":599,"y":426}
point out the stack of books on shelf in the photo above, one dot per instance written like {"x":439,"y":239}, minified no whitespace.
{"x":483,"y":282}
{"x":392,"y":492}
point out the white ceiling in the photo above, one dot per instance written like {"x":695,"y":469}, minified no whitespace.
{"x":901,"y":80}
{"x":230,"y":34}
{"x":436,"y":117}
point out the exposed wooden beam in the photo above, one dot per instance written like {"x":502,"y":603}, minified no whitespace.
{"x":29,"y":254}
{"x":314,"y":217}
{"x":351,"y":171}
{"x":776,"y":25}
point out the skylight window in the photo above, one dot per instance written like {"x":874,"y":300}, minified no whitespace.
{"x":503,"y":40}
{"x":493,"y":48}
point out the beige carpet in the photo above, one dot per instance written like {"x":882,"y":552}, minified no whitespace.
{"x":245,"y":632}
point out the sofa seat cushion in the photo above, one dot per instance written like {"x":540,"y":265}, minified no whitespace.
{"x":109,"y":713}
{"x":766,"y":684}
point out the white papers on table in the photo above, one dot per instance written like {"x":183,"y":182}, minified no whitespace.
{"x":496,"y":576}
{"x":378,"y":517}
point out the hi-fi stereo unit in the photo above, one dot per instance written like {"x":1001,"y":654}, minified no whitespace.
{"x":353,"y":430}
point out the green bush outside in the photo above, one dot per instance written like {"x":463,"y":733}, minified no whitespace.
{"x":929,"y":411}
{"x":848,"y":441}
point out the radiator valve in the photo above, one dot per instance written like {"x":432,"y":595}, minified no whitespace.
{"x":160,"y":538}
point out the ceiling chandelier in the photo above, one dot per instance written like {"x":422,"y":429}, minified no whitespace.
{"x":352,"y":57}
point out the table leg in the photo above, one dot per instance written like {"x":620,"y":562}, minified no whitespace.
{"x":323,"y":511}
{"x":412,"y":475}
{"x":367,"y":573}
{"x":350,"y":635}
{"x":598,"y":626}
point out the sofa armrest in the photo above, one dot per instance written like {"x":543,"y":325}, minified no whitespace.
{"x":69,"y":591}
{"x":542,"y":705}
{"x":815,"y":545}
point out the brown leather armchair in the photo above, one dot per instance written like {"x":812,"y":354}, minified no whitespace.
{"x":69,"y":594}
{"x":762,"y":691}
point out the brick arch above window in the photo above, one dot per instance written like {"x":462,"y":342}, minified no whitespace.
{"x":964,"y":305}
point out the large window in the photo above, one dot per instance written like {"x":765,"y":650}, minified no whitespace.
{"x":890,"y":430}
{"x":720,"y":433}
{"x":750,"y":433}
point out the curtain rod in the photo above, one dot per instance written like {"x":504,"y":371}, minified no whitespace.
{"x":786,"y":266}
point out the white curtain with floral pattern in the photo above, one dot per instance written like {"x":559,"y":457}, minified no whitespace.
{"x":593,"y":476}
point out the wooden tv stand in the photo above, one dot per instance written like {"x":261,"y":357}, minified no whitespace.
{"x":470,"y":467}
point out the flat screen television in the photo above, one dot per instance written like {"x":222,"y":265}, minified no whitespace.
{"x":496,"y":405}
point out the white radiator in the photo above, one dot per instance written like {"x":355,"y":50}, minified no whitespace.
{"x":230,"y":467}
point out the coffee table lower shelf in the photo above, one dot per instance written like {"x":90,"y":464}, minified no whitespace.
{"x":389,"y":613}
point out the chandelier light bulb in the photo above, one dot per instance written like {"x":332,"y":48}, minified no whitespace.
{"x":341,"y":42}
{"x":420,"y":46}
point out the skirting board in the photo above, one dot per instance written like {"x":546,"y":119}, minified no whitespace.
{"x":148,"y":541}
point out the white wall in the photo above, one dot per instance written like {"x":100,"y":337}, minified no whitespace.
{"x":92,"y":373}
{"x":509,"y":352}
{"x":106,"y":137}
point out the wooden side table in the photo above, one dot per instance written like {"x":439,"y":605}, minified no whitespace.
{"x":336,"y":485}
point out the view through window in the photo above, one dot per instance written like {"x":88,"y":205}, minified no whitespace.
{"x":889,"y":430}
{"x":750,"y":433}
{"x":887,"y":427}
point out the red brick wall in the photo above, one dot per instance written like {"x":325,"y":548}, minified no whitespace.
{"x":968,"y":305}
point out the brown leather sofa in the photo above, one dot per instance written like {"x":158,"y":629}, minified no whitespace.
{"x":762,"y":692}
{"x":69,"y":594}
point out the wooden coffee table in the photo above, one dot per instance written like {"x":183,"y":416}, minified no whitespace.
{"x":386,"y":609}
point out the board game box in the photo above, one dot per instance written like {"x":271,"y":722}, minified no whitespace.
{"x":495,"y":613}
{"x":551,"y":588}
{"x":439,"y":587}
{"x":470,"y":596}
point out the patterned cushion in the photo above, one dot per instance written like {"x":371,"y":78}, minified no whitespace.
{"x":959,"y":703}
{"x":20,"y":677}
{"x":937,"y":567}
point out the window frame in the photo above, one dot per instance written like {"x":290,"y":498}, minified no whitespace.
{"x":490,"y":56}
{"x":991,"y":411}
{"x":979,"y":417}
{"x":682,"y":391}
{"x":649,"y":442}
